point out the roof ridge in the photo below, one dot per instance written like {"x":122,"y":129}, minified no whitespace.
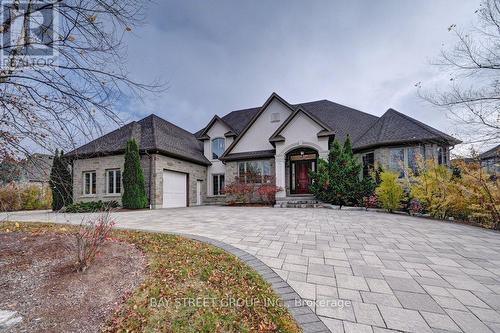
{"x":345,"y":106}
{"x":164,"y":120}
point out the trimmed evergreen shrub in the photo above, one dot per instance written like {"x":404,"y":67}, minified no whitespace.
{"x":134,"y":192}
{"x":338,"y":181}
{"x":60,"y":182}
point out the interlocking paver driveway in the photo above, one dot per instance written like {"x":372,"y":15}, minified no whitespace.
{"x":399,"y":272}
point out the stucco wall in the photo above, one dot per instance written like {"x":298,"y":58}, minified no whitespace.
{"x":300,"y":132}
{"x":257,"y":136}
{"x":217,"y":130}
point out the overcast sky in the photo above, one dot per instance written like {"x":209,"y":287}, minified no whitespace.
{"x":219,"y":56}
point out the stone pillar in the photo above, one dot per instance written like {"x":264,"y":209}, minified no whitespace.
{"x":280,"y":176}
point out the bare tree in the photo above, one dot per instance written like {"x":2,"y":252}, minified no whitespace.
{"x":473,"y":96}
{"x":72,"y":97}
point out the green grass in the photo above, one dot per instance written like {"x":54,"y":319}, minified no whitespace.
{"x":180,"y":270}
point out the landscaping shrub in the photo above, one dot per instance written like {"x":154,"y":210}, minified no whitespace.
{"x":239,"y":192}
{"x":10,"y":198}
{"x":267,"y":193}
{"x":371,"y":201}
{"x":24,"y":197}
{"x":89,"y":238}
{"x":90,"y":207}
{"x":338,"y":180}
{"x":475,"y":196}
{"x":433,"y":187}
{"x":60,"y":182}
{"x":134,"y":192}
{"x":390,"y":193}
{"x":415,"y":207}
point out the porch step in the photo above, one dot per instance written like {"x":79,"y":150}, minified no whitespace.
{"x":215,"y":201}
{"x":298,"y":202}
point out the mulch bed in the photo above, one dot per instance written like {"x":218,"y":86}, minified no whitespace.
{"x":37,"y":279}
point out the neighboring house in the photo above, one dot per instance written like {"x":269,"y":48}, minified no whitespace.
{"x":35,"y":169}
{"x":277,"y":141}
{"x":490,"y":160}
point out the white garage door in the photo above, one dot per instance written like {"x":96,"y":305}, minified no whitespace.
{"x":174,"y":189}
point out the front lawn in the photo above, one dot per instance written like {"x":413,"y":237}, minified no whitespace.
{"x":187,"y":286}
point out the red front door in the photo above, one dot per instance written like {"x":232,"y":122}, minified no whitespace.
{"x":302,"y":177}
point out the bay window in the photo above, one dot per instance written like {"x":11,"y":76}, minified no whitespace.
{"x":405,"y":157}
{"x":254,"y":172}
{"x":89,"y":183}
{"x":397,"y":160}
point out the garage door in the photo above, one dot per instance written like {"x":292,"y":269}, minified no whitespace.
{"x":174,"y":189}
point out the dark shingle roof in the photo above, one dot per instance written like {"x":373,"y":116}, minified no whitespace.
{"x":394,"y":127}
{"x":493,"y":152}
{"x":342,"y":119}
{"x":364,"y":129}
{"x":151,"y":133}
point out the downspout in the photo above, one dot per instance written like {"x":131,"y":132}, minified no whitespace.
{"x":150,"y":179}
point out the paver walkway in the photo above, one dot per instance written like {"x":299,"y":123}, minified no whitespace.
{"x":398,"y":272}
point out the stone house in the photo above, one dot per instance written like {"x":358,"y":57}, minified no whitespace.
{"x":276,"y":141}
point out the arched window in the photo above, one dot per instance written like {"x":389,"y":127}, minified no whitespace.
{"x":218,"y":146}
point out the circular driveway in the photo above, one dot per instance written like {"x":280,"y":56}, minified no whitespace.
{"x":396,"y":272}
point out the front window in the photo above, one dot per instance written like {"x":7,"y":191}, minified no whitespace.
{"x":218,"y":181}
{"x":218,"y":146}
{"x":113,"y":181}
{"x":397,"y":159}
{"x":89,"y":183}
{"x":254,"y":172}
{"x":368,"y":164}
{"x":414,"y":154}
{"x":442,"y":155}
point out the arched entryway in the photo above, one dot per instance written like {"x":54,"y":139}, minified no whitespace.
{"x":299,"y":163}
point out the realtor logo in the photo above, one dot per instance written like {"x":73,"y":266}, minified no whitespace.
{"x":28,"y":32}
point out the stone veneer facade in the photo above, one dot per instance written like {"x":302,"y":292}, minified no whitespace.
{"x":152,"y":166}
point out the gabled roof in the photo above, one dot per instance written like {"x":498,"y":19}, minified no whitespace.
{"x":394,"y":127}
{"x":254,"y":118}
{"x":493,"y":152}
{"x":326,"y":129}
{"x":153,"y":134}
{"x":202,"y":135}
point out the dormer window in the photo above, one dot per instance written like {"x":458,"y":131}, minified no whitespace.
{"x":218,"y":147}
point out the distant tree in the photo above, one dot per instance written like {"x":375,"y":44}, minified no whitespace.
{"x":473,"y":97}
{"x":10,"y":170}
{"x":61,"y":182}
{"x":134,"y":193}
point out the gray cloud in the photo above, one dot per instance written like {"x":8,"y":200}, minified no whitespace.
{"x":219,"y":56}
